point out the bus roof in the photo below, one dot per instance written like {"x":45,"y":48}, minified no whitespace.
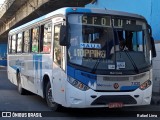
{"x":65,"y":10}
{"x":103,"y":11}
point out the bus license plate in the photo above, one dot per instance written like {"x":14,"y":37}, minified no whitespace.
{"x":115,"y":105}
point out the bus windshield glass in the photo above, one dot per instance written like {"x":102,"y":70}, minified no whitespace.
{"x":108,"y":43}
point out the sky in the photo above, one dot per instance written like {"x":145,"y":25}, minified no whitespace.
{"x":2,"y":1}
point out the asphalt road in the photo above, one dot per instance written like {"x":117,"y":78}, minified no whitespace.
{"x":11,"y":101}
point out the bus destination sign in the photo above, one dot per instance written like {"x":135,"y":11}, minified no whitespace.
{"x":106,"y":21}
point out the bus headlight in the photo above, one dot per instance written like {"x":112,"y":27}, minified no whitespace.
{"x":145,"y":85}
{"x":77,"y":84}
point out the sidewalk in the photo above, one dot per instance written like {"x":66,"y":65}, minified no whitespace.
{"x":155,"y":98}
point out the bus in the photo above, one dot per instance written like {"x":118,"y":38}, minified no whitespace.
{"x":82,"y":58}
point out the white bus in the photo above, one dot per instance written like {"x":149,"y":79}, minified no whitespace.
{"x":81,"y":57}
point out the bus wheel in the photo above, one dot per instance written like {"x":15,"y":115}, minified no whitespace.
{"x":19,"y":84}
{"x":53,"y":105}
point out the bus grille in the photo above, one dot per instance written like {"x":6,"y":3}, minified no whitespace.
{"x":116,"y":79}
{"x":106,"y":99}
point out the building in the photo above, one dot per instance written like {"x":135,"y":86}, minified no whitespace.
{"x":150,"y":10}
{"x":3,"y":54}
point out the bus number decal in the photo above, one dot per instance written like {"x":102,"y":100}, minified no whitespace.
{"x":135,"y":83}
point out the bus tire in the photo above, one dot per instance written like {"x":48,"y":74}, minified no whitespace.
{"x":51,"y":104}
{"x":21,"y":90}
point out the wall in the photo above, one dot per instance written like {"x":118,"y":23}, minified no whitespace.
{"x":155,"y":19}
{"x":151,"y":11}
{"x":156,"y":70}
{"x":155,"y":23}
{"x":147,"y":8}
{"x":3,"y":54}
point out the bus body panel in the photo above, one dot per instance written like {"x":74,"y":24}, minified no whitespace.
{"x":32,"y":68}
{"x":58,"y":84}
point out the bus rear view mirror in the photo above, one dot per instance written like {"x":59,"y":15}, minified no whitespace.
{"x":153,"y":48}
{"x":62,"y":36}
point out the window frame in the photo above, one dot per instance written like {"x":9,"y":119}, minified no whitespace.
{"x":15,"y":45}
{"x":29,"y":44}
{"x":54,"y":54}
{"x":38,"y":39}
{"x":43,"y":37}
{"x":10,"y":44}
{"x":21,"y":41}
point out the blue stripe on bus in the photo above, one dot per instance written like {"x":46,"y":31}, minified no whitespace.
{"x":90,"y":79}
{"x":37,"y":59}
{"x":84,"y":77}
{"x":71,"y":71}
{"x":124,"y":88}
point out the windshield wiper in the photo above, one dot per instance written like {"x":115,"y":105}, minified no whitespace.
{"x":132,"y":61}
{"x":96,"y":65}
{"x":129,"y":56}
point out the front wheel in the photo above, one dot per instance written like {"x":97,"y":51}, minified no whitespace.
{"x":49,"y":99}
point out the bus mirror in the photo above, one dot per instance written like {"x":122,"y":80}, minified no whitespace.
{"x":153,"y":48}
{"x":62,"y":36}
{"x":150,"y":30}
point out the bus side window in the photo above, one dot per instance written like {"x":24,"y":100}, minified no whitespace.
{"x":57,"y":48}
{"x":13,"y":49}
{"x":47,"y":37}
{"x":19,"y":43}
{"x":26,"y":42}
{"x":10,"y":45}
{"x":35,"y":39}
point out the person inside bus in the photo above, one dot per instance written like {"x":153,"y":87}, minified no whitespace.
{"x":58,"y":56}
{"x":122,"y":41}
{"x":105,"y":39}
{"x":123,"y":44}
{"x":129,"y":44}
{"x":118,"y":43}
{"x":74,"y":44}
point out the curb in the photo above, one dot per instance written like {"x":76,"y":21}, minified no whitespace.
{"x":155,"y":98}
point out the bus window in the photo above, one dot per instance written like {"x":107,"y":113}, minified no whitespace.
{"x":35,"y":39}
{"x":26,"y":41}
{"x":57,"y":47}
{"x":19,"y":43}
{"x":47,"y":38}
{"x":9,"y":44}
{"x":14,"y":44}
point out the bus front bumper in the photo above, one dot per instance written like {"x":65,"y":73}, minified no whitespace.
{"x":76,"y":98}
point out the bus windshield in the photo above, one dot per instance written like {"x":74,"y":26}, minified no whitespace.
{"x":108,"y":43}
